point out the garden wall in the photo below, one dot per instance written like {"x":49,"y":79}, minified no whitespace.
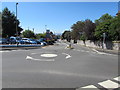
{"x":98,"y":44}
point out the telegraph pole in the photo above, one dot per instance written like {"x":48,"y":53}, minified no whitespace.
{"x":16,"y":21}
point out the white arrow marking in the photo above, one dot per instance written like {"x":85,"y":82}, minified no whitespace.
{"x":30,"y":58}
{"x":68,"y":56}
{"x":117,"y":78}
{"x":90,"y":86}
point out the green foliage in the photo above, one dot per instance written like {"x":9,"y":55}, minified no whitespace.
{"x":9,"y":21}
{"x":28,"y":34}
{"x":94,"y":31}
{"x":76,"y":29}
{"x":87,"y":27}
{"x":83,"y":37}
{"x":40,"y":35}
{"x":103,"y":26}
{"x":103,"y":18}
{"x":115,"y":28}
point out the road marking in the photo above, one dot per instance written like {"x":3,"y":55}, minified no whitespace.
{"x":48,"y":55}
{"x":4,"y":51}
{"x":82,"y":51}
{"x":68,"y":56}
{"x":33,"y":53}
{"x":117,"y":78}
{"x":103,"y":53}
{"x":90,"y":86}
{"x":31,"y":58}
{"x":109,"y":84}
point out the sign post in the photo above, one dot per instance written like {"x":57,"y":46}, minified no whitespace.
{"x":104,"y":35}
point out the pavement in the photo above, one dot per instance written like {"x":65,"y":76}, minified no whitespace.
{"x":109,"y":51}
{"x":104,"y":50}
{"x":59,"y":67}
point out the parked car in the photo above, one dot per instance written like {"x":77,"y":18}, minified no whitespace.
{"x":29,"y":41}
{"x":43,"y":43}
{"x":14,"y":40}
{"x":3,"y":41}
{"x":38,"y":42}
{"x":25,"y":40}
{"x":32,"y":41}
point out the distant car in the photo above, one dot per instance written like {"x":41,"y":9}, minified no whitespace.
{"x":3,"y":41}
{"x":38,"y":42}
{"x":32,"y":41}
{"x":14,"y":40}
{"x":29,"y":41}
{"x":26,"y":40}
{"x":43,"y":43}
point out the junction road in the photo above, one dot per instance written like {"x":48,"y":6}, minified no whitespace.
{"x":59,"y":67}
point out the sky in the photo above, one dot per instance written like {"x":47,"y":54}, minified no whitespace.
{"x":58,"y":16}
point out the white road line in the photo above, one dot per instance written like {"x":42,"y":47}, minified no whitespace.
{"x":90,"y":86}
{"x":103,"y":53}
{"x":48,"y":55}
{"x":30,"y":58}
{"x":82,"y":51}
{"x":68,"y":56}
{"x":117,"y":78}
{"x":109,"y":84}
{"x":33,"y":53}
{"x":4,"y":51}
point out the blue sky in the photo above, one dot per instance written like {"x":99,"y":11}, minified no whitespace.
{"x":58,"y":16}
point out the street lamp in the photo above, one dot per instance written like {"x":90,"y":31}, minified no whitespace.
{"x":16,"y":21}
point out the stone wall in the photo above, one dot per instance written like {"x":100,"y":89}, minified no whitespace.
{"x":98,"y":44}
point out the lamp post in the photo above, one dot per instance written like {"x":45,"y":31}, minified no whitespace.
{"x":16,"y":21}
{"x":16,"y":24}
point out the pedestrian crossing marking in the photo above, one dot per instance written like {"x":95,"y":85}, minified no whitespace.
{"x":90,"y":86}
{"x":109,"y":84}
{"x":117,"y":78}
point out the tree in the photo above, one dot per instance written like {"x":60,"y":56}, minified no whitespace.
{"x":103,"y":18}
{"x":77,"y":28}
{"x":28,"y":34}
{"x":102,"y":26}
{"x":114,"y":31}
{"x":40,"y":35}
{"x":9,"y":21}
{"x":89,"y":29}
{"x":67,"y":35}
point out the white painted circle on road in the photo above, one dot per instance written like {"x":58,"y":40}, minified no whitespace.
{"x":48,"y":55}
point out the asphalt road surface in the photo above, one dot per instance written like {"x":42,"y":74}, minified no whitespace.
{"x":57,"y":67}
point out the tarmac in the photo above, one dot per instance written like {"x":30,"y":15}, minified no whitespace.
{"x":30,"y":46}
